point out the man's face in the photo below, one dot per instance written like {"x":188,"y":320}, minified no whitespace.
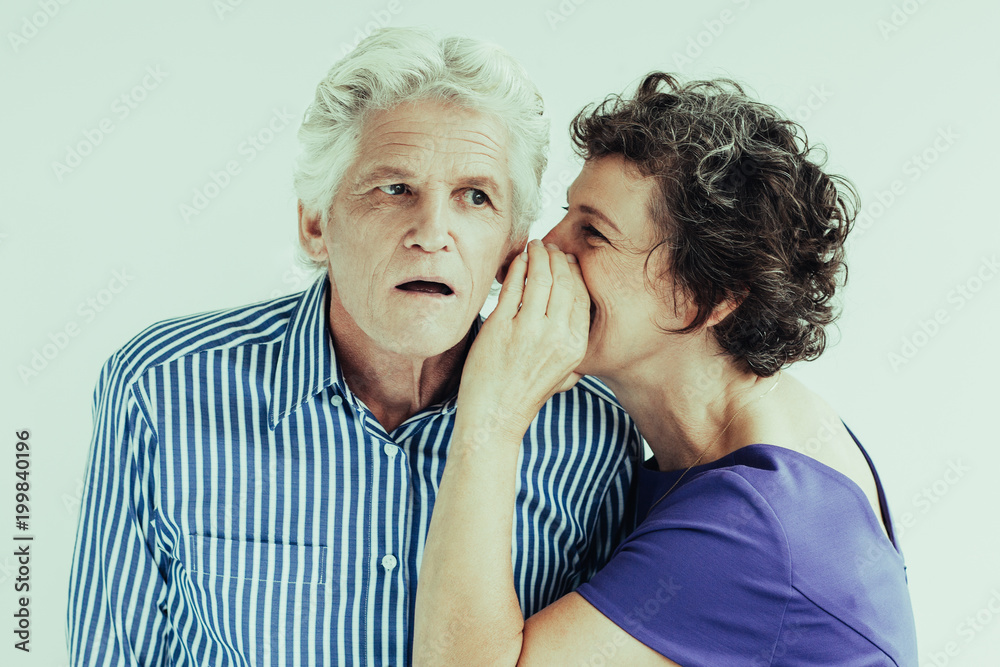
{"x":419,"y":226}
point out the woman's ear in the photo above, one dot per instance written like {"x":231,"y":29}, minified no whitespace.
{"x":515,"y":248}
{"x":725,"y":308}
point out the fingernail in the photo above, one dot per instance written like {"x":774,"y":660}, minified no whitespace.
{"x":524,"y":256}
{"x":537,"y":242}
{"x":552,"y":246}
{"x":571,"y":258}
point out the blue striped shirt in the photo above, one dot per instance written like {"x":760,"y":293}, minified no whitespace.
{"x":244,"y":507}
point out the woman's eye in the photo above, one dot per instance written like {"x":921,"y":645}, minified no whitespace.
{"x":394,"y":189}
{"x":476,"y":197}
{"x":591,"y":232}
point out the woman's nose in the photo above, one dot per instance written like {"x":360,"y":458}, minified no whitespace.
{"x":557,"y":236}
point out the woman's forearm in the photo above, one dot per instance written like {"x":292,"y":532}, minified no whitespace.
{"x":467,"y":611}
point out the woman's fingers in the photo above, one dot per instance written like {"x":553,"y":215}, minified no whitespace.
{"x":525,"y":354}
{"x":539,"y":283}
{"x":579,"y":321}
{"x":567,"y":319}
{"x":564,"y":283}
{"x":513,"y":289}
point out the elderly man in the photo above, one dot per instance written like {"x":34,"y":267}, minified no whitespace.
{"x":262,"y":478}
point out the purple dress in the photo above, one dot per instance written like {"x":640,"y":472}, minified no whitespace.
{"x":764,"y":557}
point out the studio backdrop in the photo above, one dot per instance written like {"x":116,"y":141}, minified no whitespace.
{"x":147,"y":152}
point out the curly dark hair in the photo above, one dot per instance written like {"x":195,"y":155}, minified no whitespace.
{"x":744,"y":211}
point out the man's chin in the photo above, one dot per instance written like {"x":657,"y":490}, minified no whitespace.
{"x":429,"y":340}
{"x":592,"y":363}
{"x":583,"y":368}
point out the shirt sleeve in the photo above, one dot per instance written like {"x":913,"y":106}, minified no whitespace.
{"x":705,"y":579}
{"x":117,"y":583}
{"x":615,"y":518}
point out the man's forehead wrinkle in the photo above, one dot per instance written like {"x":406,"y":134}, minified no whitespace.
{"x":404,"y":161}
{"x":444,"y":147}
{"x":382,"y":121}
{"x":473,"y":137}
{"x":391,"y":150}
{"x":491,"y":140}
{"x":449,"y":147}
{"x":399,"y":144}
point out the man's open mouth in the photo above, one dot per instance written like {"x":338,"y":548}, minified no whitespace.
{"x":425,"y":287}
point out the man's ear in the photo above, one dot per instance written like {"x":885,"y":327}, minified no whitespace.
{"x":311,"y":234}
{"x":515,"y":249}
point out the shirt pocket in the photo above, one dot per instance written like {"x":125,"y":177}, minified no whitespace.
{"x":247,"y":600}
{"x":260,"y":561}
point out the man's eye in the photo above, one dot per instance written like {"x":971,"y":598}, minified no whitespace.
{"x":394,"y":189}
{"x":476,"y":197}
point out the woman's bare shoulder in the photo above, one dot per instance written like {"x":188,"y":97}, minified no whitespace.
{"x":811,"y":426}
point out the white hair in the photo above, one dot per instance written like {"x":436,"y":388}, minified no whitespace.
{"x":396,"y":65}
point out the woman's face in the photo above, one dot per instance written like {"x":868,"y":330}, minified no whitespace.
{"x":608,"y":227}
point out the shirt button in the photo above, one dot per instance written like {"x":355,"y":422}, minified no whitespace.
{"x":390,"y":450}
{"x":388,"y":561}
{"x":336,"y":401}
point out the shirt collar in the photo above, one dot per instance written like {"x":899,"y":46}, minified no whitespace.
{"x":307,"y":363}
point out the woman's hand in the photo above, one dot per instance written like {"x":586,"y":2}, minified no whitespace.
{"x":467,"y":610}
{"x":530,"y":346}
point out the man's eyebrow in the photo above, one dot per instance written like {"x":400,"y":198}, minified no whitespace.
{"x":486,"y":183}
{"x":590,"y":210}
{"x":383,"y":173}
{"x":386,"y":173}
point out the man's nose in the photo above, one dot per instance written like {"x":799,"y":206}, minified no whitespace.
{"x":429,"y":226}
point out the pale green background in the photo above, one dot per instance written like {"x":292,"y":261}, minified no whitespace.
{"x":877,"y":99}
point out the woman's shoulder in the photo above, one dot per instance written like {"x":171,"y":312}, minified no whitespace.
{"x":765,"y":528}
{"x":794,"y":517}
{"x":756,"y":473}
{"x":779,"y":503}
{"x":781,"y":488}
{"x":733,"y":507}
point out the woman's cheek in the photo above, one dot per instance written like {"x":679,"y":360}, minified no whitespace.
{"x":619,"y":281}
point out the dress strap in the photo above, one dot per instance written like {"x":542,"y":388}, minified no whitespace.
{"x":883,"y":505}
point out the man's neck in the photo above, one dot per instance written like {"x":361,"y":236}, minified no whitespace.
{"x":393,"y":386}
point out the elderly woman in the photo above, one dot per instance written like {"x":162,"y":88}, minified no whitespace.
{"x":698,"y":258}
